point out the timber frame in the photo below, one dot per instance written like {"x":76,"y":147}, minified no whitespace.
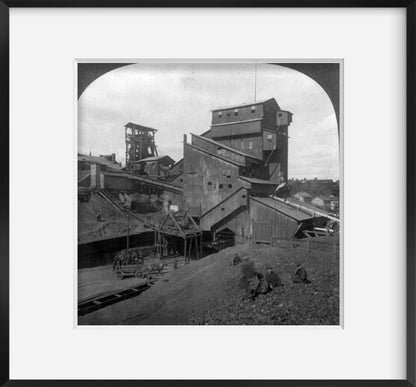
{"x":180,"y":225}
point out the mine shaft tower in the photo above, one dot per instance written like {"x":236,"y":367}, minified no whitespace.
{"x":140,"y":143}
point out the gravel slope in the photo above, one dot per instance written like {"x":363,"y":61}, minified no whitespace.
{"x":207,"y":291}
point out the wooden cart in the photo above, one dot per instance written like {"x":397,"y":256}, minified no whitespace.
{"x":136,"y":270}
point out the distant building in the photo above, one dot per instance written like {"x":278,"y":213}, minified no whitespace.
{"x":329,"y":203}
{"x":106,"y":162}
{"x":318,"y":202}
{"x":157,"y":166}
{"x":303,"y":197}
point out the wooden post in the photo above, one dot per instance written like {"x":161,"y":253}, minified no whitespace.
{"x":128,"y":235}
{"x":196,"y":247}
{"x":307,"y":245}
{"x":190,"y":247}
{"x":200,"y":246}
{"x":184,"y":250}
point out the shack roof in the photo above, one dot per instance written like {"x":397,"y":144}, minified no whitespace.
{"x":283,"y":208}
{"x":245,"y":104}
{"x":139,"y":127}
{"x":253,"y":180}
{"x":98,"y":160}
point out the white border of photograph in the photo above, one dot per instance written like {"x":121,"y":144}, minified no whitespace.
{"x":43,"y":340}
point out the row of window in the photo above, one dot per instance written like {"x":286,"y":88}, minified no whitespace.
{"x":252,"y":109}
{"x":211,"y":186}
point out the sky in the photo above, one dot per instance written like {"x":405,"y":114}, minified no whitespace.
{"x":176,"y":98}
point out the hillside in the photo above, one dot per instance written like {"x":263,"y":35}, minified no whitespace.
{"x":208,"y":292}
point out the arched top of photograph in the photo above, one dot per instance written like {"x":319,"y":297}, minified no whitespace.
{"x":178,"y":98}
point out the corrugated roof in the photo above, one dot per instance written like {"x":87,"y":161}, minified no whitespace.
{"x":253,"y":180}
{"x":283,"y":208}
{"x":153,"y":158}
{"x":244,"y":104}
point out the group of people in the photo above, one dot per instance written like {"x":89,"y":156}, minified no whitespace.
{"x":122,"y":258}
{"x":262,"y":283}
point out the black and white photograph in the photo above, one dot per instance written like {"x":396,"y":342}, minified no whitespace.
{"x":209,"y":193}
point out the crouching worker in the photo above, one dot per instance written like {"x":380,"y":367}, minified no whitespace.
{"x":263,"y":287}
{"x":273,"y":278}
{"x":236,"y":260}
{"x":300,"y":275}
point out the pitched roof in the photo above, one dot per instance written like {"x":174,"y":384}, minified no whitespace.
{"x":98,"y":160}
{"x":244,"y":104}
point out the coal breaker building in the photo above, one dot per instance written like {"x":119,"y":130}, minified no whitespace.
{"x":231,"y":171}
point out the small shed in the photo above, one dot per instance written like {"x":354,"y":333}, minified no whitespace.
{"x":153,"y":166}
{"x":178,"y":233}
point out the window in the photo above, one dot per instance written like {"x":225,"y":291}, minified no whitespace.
{"x":250,"y":145}
{"x":230,"y":186}
{"x":228,"y":114}
{"x":241,"y":144}
{"x":220,"y":186}
{"x":269,"y":137}
{"x":280,"y":114}
{"x":235,"y":112}
{"x":227,"y":173}
{"x":219,"y":151}
{"x":253,"y":109}
{"x":219,"y":114}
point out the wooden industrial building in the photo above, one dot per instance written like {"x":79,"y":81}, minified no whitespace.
{"x":231,"y":171}
{"x":259,"y":129}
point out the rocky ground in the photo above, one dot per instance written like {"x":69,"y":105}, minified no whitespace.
{"x":209,"y":291}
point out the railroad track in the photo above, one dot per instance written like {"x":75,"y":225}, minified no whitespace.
{"x":107,"y":299}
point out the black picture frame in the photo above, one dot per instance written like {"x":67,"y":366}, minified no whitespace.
{"x":410,"y":6}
